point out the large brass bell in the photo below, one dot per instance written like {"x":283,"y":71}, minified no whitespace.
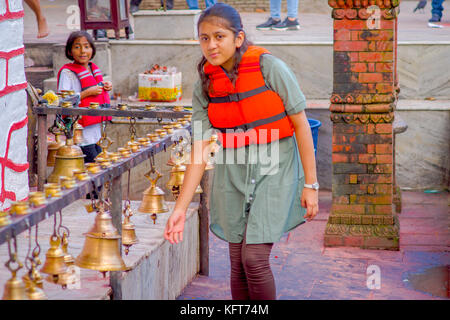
{"x":14,"y":290}
{"x":153,"y":200}
{"x":101,"y":248}
{"x":77,"y":133}
{"x":54,"y":260}
{"x":14,"y":287}
{"x":53,"y":148}
{"x":68,"y":158}
{"x":128,"y":230}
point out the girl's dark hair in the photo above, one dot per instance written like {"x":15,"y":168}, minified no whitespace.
{"x":234,"y":23}
{"x":75,"y":35}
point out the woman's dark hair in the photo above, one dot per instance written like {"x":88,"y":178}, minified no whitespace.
{"x":75,"y":35}
{"x":233,"y":22}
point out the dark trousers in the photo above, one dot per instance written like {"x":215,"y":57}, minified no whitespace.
{"x":91,"y":151}
{"x":437,"y":7}
{"x":251,"y":276}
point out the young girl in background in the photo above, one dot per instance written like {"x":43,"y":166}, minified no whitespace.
{"x":85,"y":78}
{"x":243,"y":88}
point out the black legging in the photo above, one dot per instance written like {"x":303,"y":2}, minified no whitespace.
{"x":251,"y":276}
{"x":91,"y":151}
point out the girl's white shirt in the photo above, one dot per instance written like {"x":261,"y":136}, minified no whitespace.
{"x":69,"y":81}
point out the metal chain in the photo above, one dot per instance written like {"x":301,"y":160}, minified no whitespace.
{"x":133,"y":127}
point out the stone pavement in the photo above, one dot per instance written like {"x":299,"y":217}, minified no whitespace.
{"x":305,"y":270}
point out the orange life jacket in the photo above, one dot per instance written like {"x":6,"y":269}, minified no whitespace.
{"x":89,"y":80}
{"x":247,"y":112}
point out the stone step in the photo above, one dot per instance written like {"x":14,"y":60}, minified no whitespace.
{"x":37,"y":75}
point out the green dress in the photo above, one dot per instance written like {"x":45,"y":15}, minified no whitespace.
{"x":256,"y":188}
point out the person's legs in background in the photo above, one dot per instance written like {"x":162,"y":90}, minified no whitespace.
{"x":192,"y":4}
{"x":134,"y":5}
{"x":169,"y":4}
{"x":291,"y":22}
{"x":91,"y":151}
{"x":210,"y":3}
{"x":35,"y":5}
{"x":436,"y":10}
{"x":275,"y":10}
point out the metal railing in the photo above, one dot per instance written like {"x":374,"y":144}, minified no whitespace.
{"x":112,"y":174}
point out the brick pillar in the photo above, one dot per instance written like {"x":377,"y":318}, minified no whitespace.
{"x":362,"y":111}
{"x":13,"y":106}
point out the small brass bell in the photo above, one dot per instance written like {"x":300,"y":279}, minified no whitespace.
{"x":20,"y":208}
{"x":52,"y":190}
{"x":68,"y":158}
{"x":161,"y":132}
{"x":66,"y":278}
{"x":34,"y":292}
{"x":93,"y":167}
{"x":4,"y":218}
{"x":53,"y":148}
{"x":77,"y":133}
{"x":128,"y":230}
{"x":153,"y":200}
{"x":168,"y":128}
{"x":101,"y":247}
{"x":176,"y":178}
{"x":37,"y":199}
{"x":80,"y":175}
{"x":153,"y":137}
{"x":54,"y":262}
{"x":68,"y":182}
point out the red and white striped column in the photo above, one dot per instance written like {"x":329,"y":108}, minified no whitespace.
{"x":13,"y":106}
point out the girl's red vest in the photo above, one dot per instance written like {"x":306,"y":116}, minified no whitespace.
{"x":88,"y":79}
{"x":247,"y":112}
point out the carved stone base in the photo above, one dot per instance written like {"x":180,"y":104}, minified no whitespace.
{"x":364,"y":236}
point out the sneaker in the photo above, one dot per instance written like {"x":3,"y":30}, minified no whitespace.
{"x":435,"y":18}
{"x":268,"y":24}
{"x":287,"y":25}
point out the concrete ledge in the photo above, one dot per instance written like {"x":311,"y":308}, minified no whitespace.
{"x":158,"y":270}
{"x":172,"y":24}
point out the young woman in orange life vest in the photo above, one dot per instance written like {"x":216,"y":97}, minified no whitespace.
{"x":248,"y":209}
{"x":86,"y":79}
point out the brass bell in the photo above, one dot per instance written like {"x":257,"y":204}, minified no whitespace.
{"x":168,"y":128}
{"x":20,"y":208}
{"x":4,"y":218}
{"x":134,"y":146}
{"x":35,"y":293}
{"x":37,"y":199}
{"x":153,"y":137}
{"x":104,"y":163}
{"x":124,"y":152}
{"x":14,"y":289}
{"x":150,"y":107}
{"x":93,"y":167}
{"x":176,"y":178}
{"x":178,"y":108}
{"x":101,"y":248}
{"x":68,"y":259}
{"x":144,"y":141}
{"x":128,"y":230}
{"x":80,"y":175}
{"x":66,"y":104}
{"x":115,"y":157}
{"x":68,"y":158}
{"x":52,"y":190}
{"x":68,"y":182}
{"x":77,"y":133}
{"x":53,"y":148}
{"x":161,"y":132}
{"x":153,"y":200}
{"x":54,"y":259}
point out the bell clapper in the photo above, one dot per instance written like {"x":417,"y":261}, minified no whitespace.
{"x":153,"y":216}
